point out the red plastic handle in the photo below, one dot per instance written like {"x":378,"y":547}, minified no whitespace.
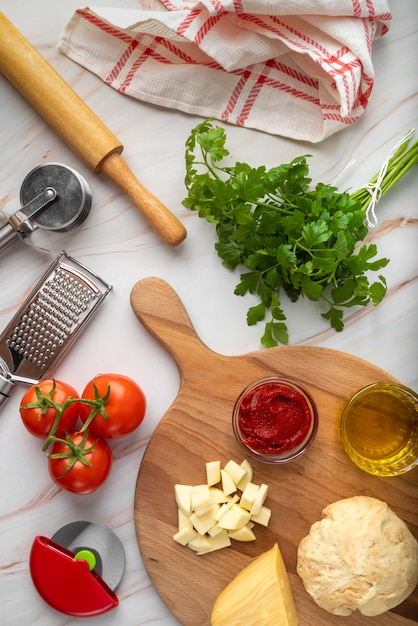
{"x":66,"y":583}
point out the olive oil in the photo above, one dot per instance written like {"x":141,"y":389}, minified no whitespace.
{"x":378,"y":428}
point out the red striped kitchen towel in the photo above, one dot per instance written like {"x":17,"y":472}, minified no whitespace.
{"x":297,"y":68}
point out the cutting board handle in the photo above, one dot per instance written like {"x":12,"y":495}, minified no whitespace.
{"x":160,"y":310}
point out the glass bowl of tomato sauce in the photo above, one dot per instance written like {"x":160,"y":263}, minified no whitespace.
{"x":275,"y":419}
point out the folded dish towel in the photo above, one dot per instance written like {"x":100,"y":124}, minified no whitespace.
{"x":297,"y":68}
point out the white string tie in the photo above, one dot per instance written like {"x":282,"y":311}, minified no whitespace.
{"x":375,"y":189}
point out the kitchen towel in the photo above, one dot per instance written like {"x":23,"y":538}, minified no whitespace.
{"x":297,"y":68}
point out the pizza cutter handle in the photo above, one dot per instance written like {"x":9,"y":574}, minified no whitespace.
{"x":19,"y":224}
{"x":66,"y":583}
{"x":70,"y":117}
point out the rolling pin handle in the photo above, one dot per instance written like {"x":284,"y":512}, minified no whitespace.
{"x":164,"y":223}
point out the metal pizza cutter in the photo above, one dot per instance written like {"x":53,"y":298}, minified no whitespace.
{"x":53,"y":197}
{"x":77,"y":571}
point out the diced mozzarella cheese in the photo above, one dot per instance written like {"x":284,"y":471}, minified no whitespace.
{"x":184,"y":536}
{"x":183,"y":494}
{"x":228,"y":485}
{"x":226,"y":506}
{"x":184,"y":520}
{"x":233,"y":519}
{"x":200,"y":543}
{"x":243,"y":534}
{"x":209,"y":517}
{"x":263,"y":517}
{"x":215,"y":530}
{"x":213,"y":472}
{"x":221,"y":540}
{"x":248,"y":476}
{"x":248,"y":496}
{"x":218,"y":496}
{"x":259,"y":499}
{"x":200,"y":499}
{"x":235,"y":471}
{"x":203,"y":523}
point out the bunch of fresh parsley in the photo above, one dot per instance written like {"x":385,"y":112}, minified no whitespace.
{"x":290,"y":237}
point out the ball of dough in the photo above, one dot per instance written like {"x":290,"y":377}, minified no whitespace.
{"x":360,"y":555}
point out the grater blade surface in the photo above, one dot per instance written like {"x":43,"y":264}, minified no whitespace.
{"x":48,"y":322}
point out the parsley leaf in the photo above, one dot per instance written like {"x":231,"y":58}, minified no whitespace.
{"x":289,"y":237}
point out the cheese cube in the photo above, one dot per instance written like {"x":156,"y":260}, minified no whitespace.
{"x":218,"y":496}
{"x":185,"y":535}
{"x":183,"y":495}
{"x":235,"y":471}
{"x":215,"y":530}
{"x":263,"y":517}
{"x":183,"y":520}
{"x":259,"y":499}
{"x":248,"y":496}
{"x":234,"y":518}
{"x":221,"y":540}
{"x":213,"y":472}
{"x":242,"y":534}
{"x":228,"y":485}
{"x":201,"y":500}
{"x":203,"y":523}
{"x":226,"y":506}
{"x":248,"y":476}
{"x":199,"y":543}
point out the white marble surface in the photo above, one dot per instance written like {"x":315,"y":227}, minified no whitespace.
{"x":117,"y":243}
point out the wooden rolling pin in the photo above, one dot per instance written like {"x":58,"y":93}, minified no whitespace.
{"x":70,"y":117}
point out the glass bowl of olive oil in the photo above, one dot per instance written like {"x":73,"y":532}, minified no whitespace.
{"x":378,"y":429}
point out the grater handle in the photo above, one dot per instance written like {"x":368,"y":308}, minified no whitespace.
{"x":6,"y":387}
{"x":6,"y":383}
{"x":7,"y":233}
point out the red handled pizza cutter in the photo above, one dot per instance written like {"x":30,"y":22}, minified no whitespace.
{"x":78,"y":569}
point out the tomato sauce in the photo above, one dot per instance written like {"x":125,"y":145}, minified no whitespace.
{"x":274,"y":418}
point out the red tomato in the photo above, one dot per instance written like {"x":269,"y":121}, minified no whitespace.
{"x":125,"y":408}
{"x":73,"y":474}
{"x":39,"y":417}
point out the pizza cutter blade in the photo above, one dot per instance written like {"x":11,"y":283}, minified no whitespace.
{"x":53,"y":197}
{"x":101,"y":541}
{"x":78,"y":569}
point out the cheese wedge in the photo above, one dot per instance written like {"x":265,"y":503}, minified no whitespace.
{"x":259,"y":594}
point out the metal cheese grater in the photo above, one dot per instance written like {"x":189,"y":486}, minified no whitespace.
{"x":48,"y":322}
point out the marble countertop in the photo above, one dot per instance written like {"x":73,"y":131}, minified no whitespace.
{"x":118,"y":244}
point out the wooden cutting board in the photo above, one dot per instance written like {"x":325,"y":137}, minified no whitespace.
{"x":197,"y":428}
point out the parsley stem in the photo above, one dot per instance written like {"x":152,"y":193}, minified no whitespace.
{"x":273,"y":207}
{"x":210,"y":165}
{"x":405,"y":157}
